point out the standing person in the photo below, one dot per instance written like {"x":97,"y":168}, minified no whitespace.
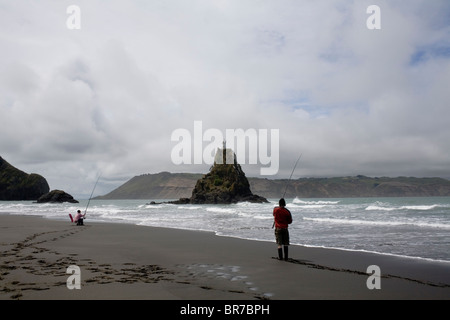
{"x":79,"y":218}
{"x":282,"y":218}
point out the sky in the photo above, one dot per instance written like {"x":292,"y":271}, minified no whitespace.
{"x":104,"y":99}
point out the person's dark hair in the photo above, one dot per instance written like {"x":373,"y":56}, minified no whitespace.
{"x":282,"y":202}
{"x":78,"y":211}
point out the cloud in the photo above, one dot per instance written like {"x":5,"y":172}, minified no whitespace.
{"x":107,"y":98}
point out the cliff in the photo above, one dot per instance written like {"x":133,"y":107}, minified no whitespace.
{"x":163,"y":185}
{"x":18,"y":185}
{"x":167,"y":185}
{"x":353,"y":187}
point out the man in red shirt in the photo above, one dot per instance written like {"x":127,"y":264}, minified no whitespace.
{"x":282,"y":218}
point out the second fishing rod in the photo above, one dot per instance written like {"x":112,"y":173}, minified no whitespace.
{"x":89,"y":201}
{"x":287,"y":183}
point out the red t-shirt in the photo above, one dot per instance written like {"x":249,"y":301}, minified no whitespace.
{"x":282,"y":217}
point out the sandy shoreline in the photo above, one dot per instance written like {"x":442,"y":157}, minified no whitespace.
{"x":119,"y":261}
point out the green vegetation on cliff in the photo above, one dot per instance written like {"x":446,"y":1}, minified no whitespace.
{"x":225,"y":183}
{"x":18,"y":185}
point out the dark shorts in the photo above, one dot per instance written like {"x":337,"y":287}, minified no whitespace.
{"x":282,"y":236}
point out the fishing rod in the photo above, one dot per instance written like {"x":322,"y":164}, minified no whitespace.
{"x":91,"y":195}
{"x":287,"y":183}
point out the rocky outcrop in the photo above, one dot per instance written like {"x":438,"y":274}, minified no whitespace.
{"x":56,"y":196}
{"x":225,"y":183}
{"x":16,"y":185}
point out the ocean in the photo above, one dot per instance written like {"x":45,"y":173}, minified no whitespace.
{"x":412,"y":227}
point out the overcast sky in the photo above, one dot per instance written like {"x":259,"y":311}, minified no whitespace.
{"x":106,"y":98}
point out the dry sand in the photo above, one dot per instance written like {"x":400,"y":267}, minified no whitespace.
{"x":119,"y":261}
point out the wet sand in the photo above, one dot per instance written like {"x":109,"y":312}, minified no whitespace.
{"x":122,"y":262}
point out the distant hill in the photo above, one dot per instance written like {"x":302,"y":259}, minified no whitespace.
{"x":165,"y":185}
{"x":352,"y":187}
{"x":18,"y":185}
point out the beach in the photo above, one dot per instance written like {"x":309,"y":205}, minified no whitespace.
{"x":129,"y":262}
